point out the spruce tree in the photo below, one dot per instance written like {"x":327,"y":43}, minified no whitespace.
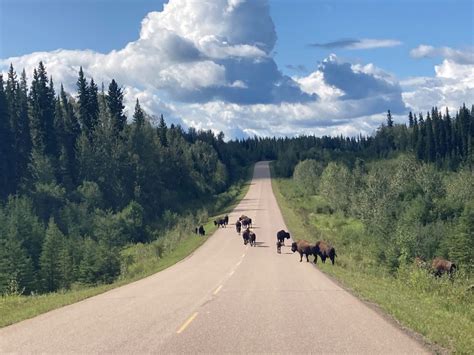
{"x":7,"y":181}
{"x":138,"y":116}
{"x":430,"y":147}
{"x":49,"y":261}
{"x":115,"y":106}
{"x":162,"y":132}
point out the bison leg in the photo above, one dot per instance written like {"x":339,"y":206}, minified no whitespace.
{"x":307,"y":259}
{"x":301,"y":257}
{"x":332,"y":259}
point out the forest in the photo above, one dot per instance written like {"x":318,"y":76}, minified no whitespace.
{"x":79,"y":180}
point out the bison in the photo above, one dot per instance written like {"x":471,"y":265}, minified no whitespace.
{"x":281,"y":235}
{"x":201,"y":231}
{"x":324,"y":250}
{"x":252,"y":239}
{"x":247,"y":222}
{"x":238,"y":226}
{"x":220,"y":222}
{"x":440,"y":266}
{"x":246,"y":236}
{"x":303,"y":247}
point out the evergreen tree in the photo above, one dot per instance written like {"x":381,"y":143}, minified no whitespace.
{"x":42,"y":109}
{"x":115,"y":106}
{"x":430,"y":147}
{"x":411,"y":122}
{"x":162,"y":132}
{"x":138,"y":116}
{"x":7,"y":156}
{"x":49,"y":261}
{"x":22,"y":133}
{"x":389,"y":120}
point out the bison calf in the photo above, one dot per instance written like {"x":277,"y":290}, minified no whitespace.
{"x":303,"y":247}
{"x":324,"y":250}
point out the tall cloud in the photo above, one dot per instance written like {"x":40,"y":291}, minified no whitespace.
{"x":192,"y":51}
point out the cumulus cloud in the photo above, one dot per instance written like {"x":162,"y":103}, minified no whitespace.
{"x":192,"y":51}
{"x":363,"y":43}
{"x":452,"y":85}
{"x":458,"y":56}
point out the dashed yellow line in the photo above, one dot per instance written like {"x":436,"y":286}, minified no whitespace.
{"x":188,"y":322}
{"x":217,"y":290}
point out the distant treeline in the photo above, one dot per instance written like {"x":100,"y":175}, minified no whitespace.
{"x":79,"y":180}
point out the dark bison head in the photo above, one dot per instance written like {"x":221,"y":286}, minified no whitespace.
{"x":294,"y":247}
{"x":287,"y":235}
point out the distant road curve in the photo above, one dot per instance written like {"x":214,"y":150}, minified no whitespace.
{"x":226,"y":297}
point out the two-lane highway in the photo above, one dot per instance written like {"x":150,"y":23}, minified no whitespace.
{"x":226,"y":297}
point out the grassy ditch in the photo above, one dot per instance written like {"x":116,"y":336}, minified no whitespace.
{"x":137,"y":261}
{"x":440,"y":309}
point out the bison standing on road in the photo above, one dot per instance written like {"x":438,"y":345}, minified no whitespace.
{"x":246,"y":236}
{"x":282,"y":235}
{"x":220,"y":222}
{"x":324,"y":250}
{"x":252,"y":239}
{"x":238,"y":226}
{"x":440,"y":266}
{"x":303,"y":247}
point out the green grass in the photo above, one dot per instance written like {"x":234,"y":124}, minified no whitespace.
{"x":439,"y":309}
{"x":138,"y":261}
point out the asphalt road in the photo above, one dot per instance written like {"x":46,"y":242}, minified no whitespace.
{"x":225,"y":298}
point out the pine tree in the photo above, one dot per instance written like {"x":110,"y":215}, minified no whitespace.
{"x":389,"y":120}
{"x":138,"y":116}
{"x":49,"y":261}
{"x":7,"y":180}
{"x":162,"y":132}
{"x":42,"y":113}
{"x":83,"y":102}
{"x":430,"y":153}
{"x":421,"y":142}
{"x":115,"y":106}
{"x":22,"y":134}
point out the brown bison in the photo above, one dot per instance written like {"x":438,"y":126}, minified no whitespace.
{"x":303,"y":247}
{"x":441,"y":266}
{"x":324,"y":250}
{"x":282,"y":235}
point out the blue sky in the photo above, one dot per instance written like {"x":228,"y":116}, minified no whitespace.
{"x":399,"y":77}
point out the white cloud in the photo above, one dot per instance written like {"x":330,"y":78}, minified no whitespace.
{"x":452,"y":86}
{"x":455,"y":55}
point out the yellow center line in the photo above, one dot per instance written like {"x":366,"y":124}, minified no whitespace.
{"x":217,"y":290}
{"x":188,"y":322}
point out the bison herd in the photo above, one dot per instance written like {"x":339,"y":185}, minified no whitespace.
{"x":324,"y":250}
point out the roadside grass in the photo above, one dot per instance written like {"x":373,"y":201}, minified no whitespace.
{"x":440,"y":309}
{"x":137,"y":261}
